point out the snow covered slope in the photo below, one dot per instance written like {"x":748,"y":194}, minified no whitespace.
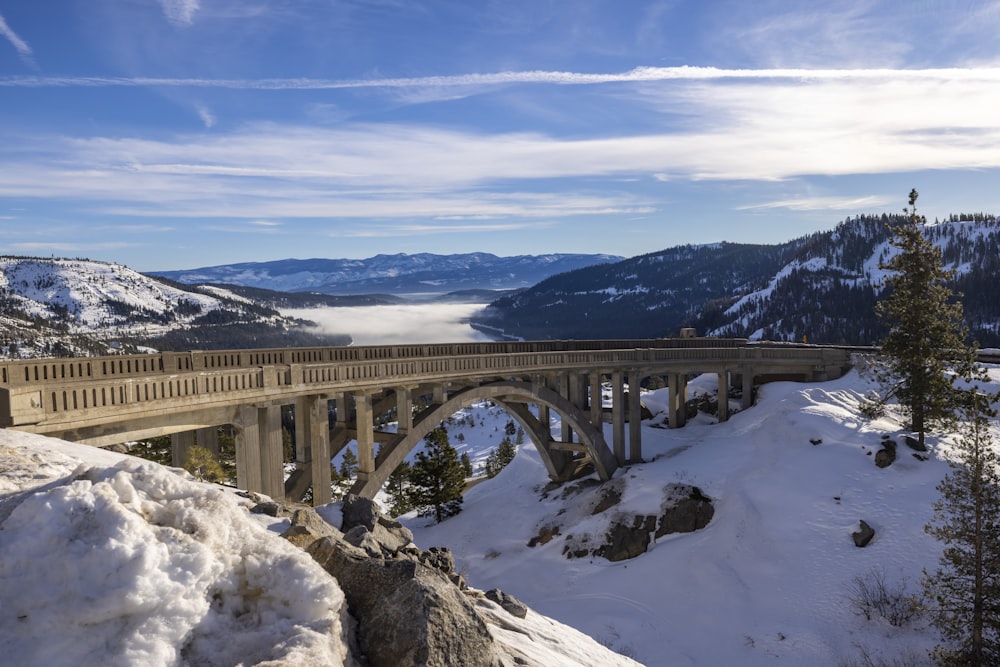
{"x":769,"y":580}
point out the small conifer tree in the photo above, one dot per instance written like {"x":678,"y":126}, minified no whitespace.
{"x":467,"y":464}
{"x":203,"y":465}
{"x":437,"y":477}
{"x":348,"y":464}
{"x":399,"y":490}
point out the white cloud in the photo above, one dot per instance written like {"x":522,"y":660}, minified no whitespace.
{"x":180,"y":12}
{"x":206,"y":116}
{"x":19,"y":44}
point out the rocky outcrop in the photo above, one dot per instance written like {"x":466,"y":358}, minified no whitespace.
{"x":510,"y":604}
{"x":409,"y":604}
{"x":684,"y":509}
{"x":408,"y":613}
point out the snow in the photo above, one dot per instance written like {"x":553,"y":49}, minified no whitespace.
{"x":768,"y":582}
{"x":105,"y":560}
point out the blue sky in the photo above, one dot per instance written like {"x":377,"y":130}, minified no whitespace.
{"x":168,"y":134}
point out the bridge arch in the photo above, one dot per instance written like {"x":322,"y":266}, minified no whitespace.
{"x":514,"y":397}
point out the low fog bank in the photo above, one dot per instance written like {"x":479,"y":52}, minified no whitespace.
{"x":398,"y":324}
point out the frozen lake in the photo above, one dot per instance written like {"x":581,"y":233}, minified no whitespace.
{"x":398,"y":324}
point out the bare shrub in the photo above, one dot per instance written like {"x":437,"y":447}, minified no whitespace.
{"x":873,"y":596}
{"x":865,"y":658}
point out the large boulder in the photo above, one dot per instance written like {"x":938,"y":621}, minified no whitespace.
{"x":864,"y":534}
{"x":509,"y":603}
{"x":409,"y":614}
{"x":307,"y":526}
{"x":685,"y":509}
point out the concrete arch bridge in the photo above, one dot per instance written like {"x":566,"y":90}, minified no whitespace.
{"x":341,"y":394}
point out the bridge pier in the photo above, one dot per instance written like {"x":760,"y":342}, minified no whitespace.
{"x":723,"y":395}
{"x":635,"y":416}
{"x":180,"y":444}
{"x":677,"y":388}
{"x":618,"y":416}
{"x":209,"y":439}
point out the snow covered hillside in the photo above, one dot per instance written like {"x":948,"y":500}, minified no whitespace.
{"x":769,"y":580}
{"x":52,"y":307}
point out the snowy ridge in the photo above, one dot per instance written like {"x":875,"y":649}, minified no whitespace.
{"x":90,"y":295}
{"x":392,"y":274}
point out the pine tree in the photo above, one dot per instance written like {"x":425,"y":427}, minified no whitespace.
{"x":505,"y":452}
{"x":925,"y":349}
{"x":348,"y":464}
{"x":492,"y":466}
{"x":965,"y":590}
{"x":203,"y":465}
{"x":399,"y":490}
{"x":437,"y":477}
{"x":467,"y":464}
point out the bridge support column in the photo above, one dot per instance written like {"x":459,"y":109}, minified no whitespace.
{"x":747,"y":400}
{"x":634,"y":417}
{"x":272,"y":459}
{"x":618,"y":415}
{"x":209,"y":439}
{"x":596,"y":401}
{"x":316,"y":431}
{"x":404,"y":410}
{"x":248,"y":457}
{"x":723,"y":396}
{"x":366,"y":435}
{"x":677,"y":384}
{"x":544,"y":416}
{"x":180,"y":443}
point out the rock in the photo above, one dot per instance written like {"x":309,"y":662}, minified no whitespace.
{"x":685,"y":509}
{"x":914,"y":444}
{"x":269,"y":508}
{"x":307,"y":527}
{"x":544,"y":536}
{"x":389,"y":533}
{"x":362,"y":539}
{"x":359,"y":511}
{"x":610,"y":495}
{"x":510,"y":604}
{"x":408,"y":614}
{"x":624,"y":541}
{"x":864,"y":535}
{"x":885,"y":456}
{"x":440,"y":558}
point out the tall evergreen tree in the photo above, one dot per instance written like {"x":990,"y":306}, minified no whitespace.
{"x":925,"y":349}
{"x":437,"y":477}
{"x":965,"y":590}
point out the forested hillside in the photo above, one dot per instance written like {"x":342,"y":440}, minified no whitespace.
{"x":822,"y":288}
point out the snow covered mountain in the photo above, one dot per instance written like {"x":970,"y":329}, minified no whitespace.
{"x":392,"y":274}
{"x":70,"y":306}
{"x":822,"y":287}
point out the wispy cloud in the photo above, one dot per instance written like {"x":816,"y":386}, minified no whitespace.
{"x":19,"y":44}
{"x":180,"y":12}
{"x":636,"y":75}
{"x":823,"y":204}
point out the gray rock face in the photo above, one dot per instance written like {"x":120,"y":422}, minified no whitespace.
{"x":864,"y":535}
{"x":509,"y":603}
{"x":389,"y":533}
{"x":307,"y":527}
{"x":625,"y":541}
{"x":408,"y":614}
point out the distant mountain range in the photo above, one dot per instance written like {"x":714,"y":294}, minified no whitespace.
{"x":401,"y":274}
{"x":821,"y":288}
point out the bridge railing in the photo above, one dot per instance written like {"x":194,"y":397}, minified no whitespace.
{"x":67,"y":388}
{"x":87,"y":369}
